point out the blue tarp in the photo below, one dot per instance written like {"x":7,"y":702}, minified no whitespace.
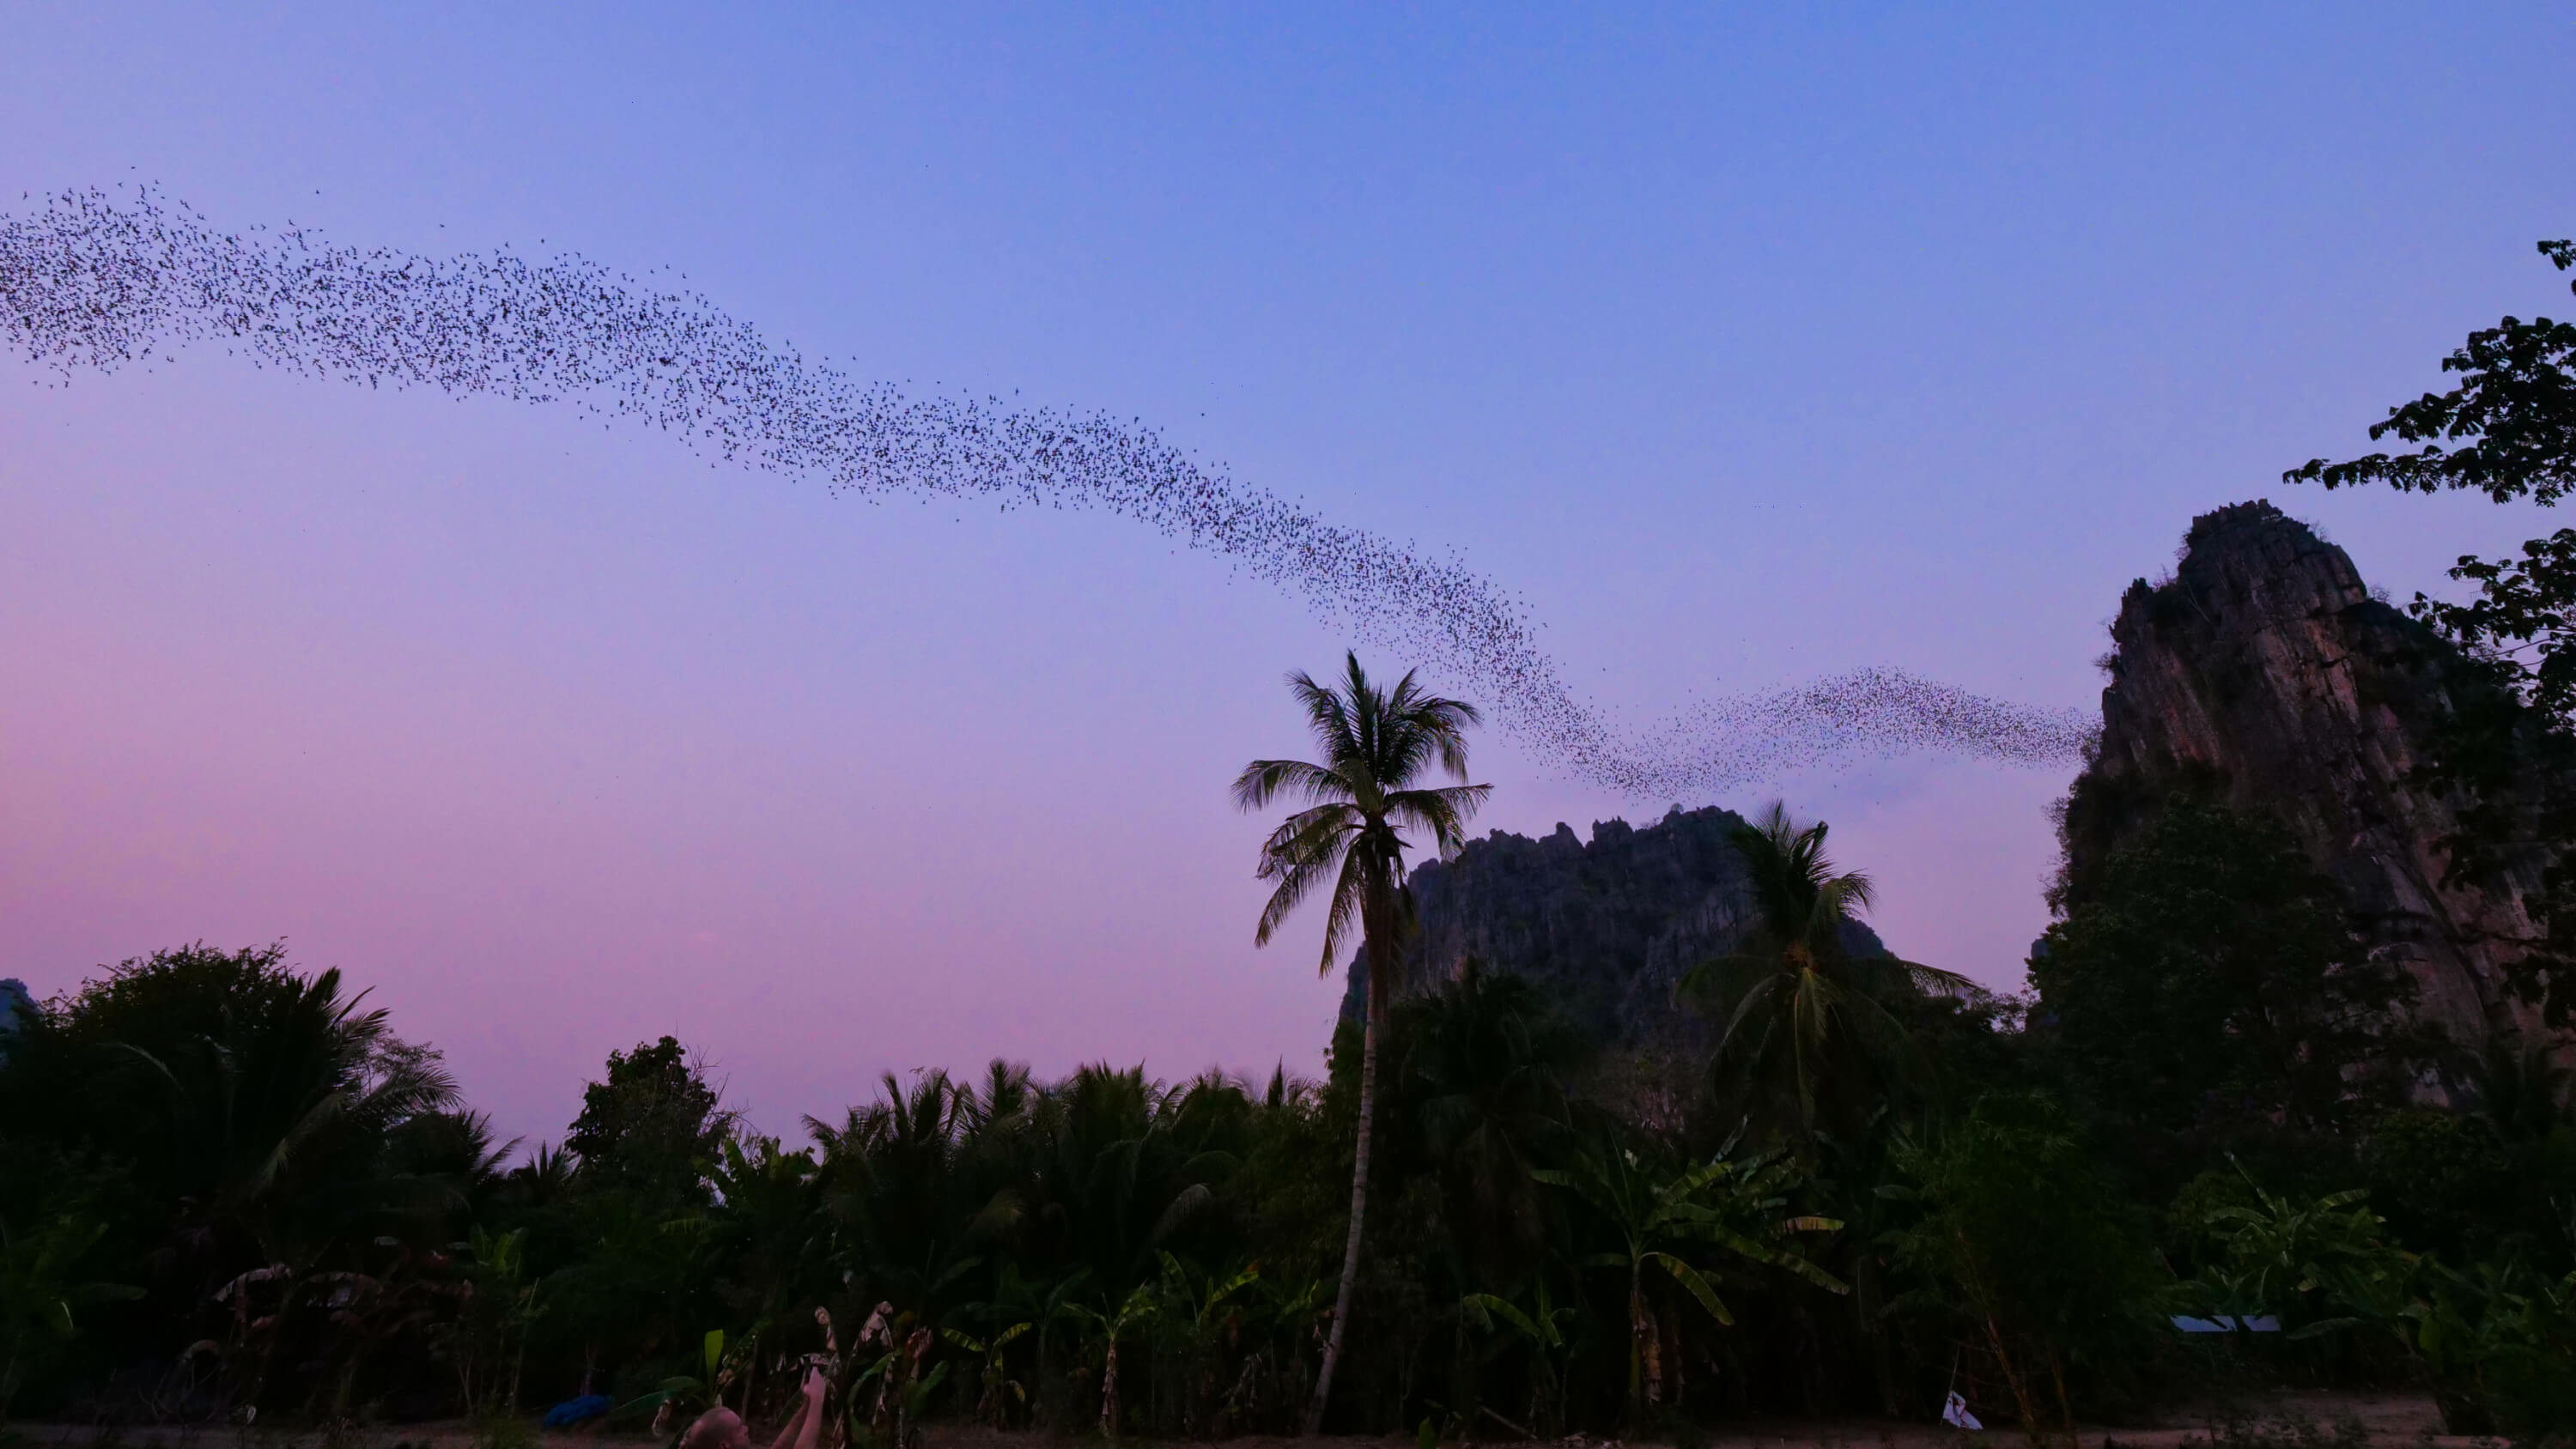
{"x":2253,"y":1323}
{"x":576,"y":1411}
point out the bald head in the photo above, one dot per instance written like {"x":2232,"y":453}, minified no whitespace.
{"x":717,"y":1428}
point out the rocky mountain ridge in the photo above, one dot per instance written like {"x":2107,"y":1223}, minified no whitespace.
{"x":2265,"y":674}
{"x":1606,"y":928}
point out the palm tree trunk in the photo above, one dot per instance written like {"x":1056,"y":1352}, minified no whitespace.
{"x":1379,"y":968}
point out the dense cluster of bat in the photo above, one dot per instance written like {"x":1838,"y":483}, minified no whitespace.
{"x":92,"y":280}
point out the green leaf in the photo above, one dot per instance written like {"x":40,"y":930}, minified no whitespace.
{"x":1688,"y":1276}
{"x":1487,"y":1303}
{"x":1798,"y":1264}
{"x":642,"y":1402}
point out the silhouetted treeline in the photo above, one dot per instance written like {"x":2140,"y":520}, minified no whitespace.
{"x":227,"y":1185}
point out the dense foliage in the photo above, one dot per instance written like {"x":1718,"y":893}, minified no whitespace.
{"x":2207,"y":990}
{"x":227,"y":1186}
{"x":2508,"y":431}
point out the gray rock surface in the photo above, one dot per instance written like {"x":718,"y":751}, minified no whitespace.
{"x":1606,"y":928}
{"x":2265,"y":673}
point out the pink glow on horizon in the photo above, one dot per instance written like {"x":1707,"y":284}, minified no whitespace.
{"x":1748,"y":348}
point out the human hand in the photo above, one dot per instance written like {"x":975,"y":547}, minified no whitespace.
{"x":817,"y":1384}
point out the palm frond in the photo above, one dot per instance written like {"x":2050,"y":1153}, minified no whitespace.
{"x":1265,"y":780}
{"x":1349,"y":893}
{"x":1935,"y":981}
{"x":1319,"y":833}
{"x":1298,"y":869}
{"x":1753,"y":999}
{"x":1361,"y":798}
{"x":1328,"y":716}
{"x":1441,"y":812}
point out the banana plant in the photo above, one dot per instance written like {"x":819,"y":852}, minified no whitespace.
{"x":1735,"y":1206}
{"x":1285,"y":1317}
{"x":1543,"y":1327}
{"x":2286,"y":1257}
{"x":684,"y":1393}
{"x":38,"y":1298}
{"x":1113,"y":1328}
{"x":903,"y":1390}
{"x":1198,"y":1309}
{"x":999,"y":1391}
{"x":487,"y":1343}
{"x":2495,"y":1342}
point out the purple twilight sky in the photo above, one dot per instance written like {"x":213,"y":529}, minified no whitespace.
{"x":1745,"y":345}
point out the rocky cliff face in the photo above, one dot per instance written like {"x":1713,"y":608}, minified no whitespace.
{"x":1604,"y":928}
{"x":2265,"y":673}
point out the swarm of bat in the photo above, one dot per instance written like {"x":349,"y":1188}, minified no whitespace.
{"x":94,"y":280}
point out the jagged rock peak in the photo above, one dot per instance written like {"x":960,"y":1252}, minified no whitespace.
{"x":1605,"y":928}
{"x":2264,"y":673}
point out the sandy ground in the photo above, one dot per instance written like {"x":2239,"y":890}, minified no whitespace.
{"x":2391,"y":1419}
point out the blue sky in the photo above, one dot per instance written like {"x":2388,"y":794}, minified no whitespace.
{"x":1746,"y":345}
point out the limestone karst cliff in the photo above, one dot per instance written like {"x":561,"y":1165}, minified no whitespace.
{"x":2265,"y":673}
{"x":1605,"y":928}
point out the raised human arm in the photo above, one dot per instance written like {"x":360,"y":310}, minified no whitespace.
{"x":809,"y":1429}
{"x":787,"y":1431}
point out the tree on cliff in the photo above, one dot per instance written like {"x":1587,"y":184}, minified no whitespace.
{"x":2508,"y":431}
{"x":2510,"y":424}
{"x":1348,"y":840}
{"x":2207,"y":982}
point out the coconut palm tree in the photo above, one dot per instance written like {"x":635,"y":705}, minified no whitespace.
{"x":1377,"y":744}
{"x":1807,"y":1019}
